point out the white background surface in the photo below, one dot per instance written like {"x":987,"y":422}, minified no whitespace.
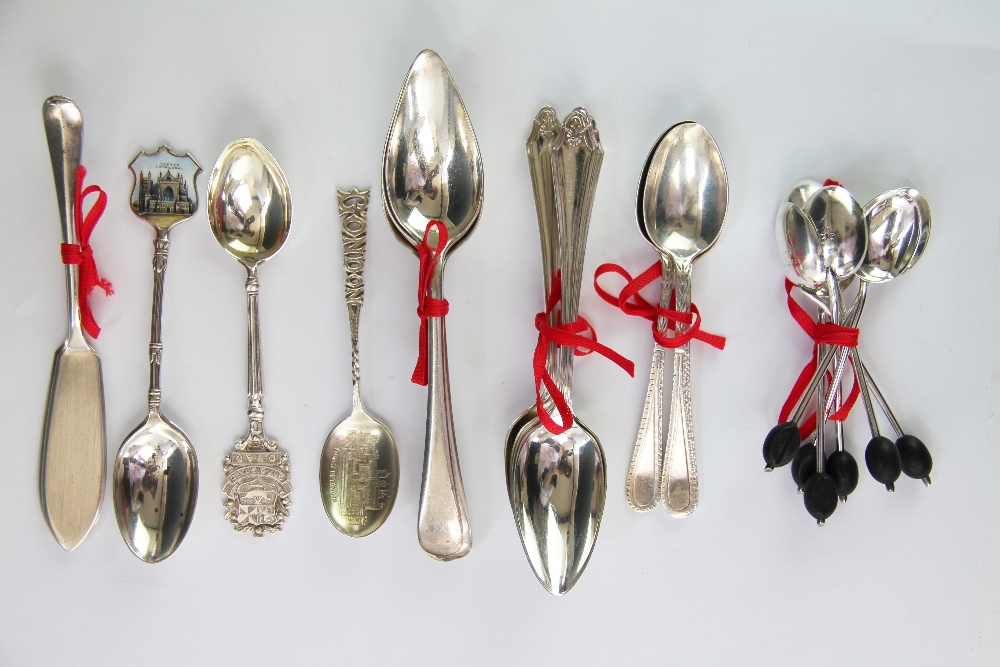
{"x":877,"y":97}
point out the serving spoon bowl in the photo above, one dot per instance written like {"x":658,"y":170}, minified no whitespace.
{"x":432,"y":170}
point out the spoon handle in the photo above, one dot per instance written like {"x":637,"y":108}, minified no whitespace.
{"x":642,"y":489}
{"x":443,"y":527}
{"x":161,"y":246}
{"x":680,"y":479}
{"x":353,"y":206}
{"x":255,"y":375}
{"x":538,"y":148}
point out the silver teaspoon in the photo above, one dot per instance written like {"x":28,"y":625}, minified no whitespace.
{"x":155,"y":477}
{"x":250,"y":211}
{"x":684,"y":207}
{"x":642,"y":487}
{"x":432,"y":170}
{"x":359,"y":467}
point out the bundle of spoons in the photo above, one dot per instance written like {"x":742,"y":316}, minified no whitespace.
{"x":826,"y":239}
{"x":554,"y":463}
{"x":680,"y":208}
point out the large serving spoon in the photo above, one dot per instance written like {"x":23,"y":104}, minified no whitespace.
{"x":558,"y":482}
{"x":432,"y":170}
{"x":74,"y":450}
{"x":155,"y":474}
{"x":359,"y":466}
{"x":684,"y":207}
{"x":250,"y":211}
{"x":544,"y":131}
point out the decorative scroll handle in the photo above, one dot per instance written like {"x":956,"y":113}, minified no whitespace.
{"x":353,"y":207}
{"x":160,"y":248}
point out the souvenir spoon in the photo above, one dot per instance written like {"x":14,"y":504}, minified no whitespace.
{"x":74,"y":449}
{"x":250,"y":210}
{"x":544,"y":130}
{"x":359,"y":467}
{"x":558,"y":482}
{"x":155,"y":476}
{"x":432,"y":171}
{"x":684,"y":202}
{"x":642,"y":487}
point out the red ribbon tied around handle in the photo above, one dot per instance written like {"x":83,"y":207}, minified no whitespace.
{"x":568,"y":334}
{"x":631,"y":303}
{"x":81,"y":254}
{"x":821,"y":334}
{"x":427,"y":306}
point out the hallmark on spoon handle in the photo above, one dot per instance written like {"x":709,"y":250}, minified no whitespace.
{"x":680,"y":478}
{"x":353,"y":206}
{"x":642,"y":489}
{"x":443,"y":527}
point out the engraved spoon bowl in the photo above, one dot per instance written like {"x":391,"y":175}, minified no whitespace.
{"x":359,"y":466}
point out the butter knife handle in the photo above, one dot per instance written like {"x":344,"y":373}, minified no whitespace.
{"x":64,"y":132}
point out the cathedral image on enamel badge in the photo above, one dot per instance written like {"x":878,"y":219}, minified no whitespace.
{"x":164,"y":190}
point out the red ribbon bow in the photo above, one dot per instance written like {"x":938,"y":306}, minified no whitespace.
{"x":821,"y":334}
{"x":82,"y":254}
{"x":631,"y":303}
{"x":427,"y":306}
{"x":567,"y":335}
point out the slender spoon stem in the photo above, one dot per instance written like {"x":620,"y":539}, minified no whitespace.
{"x":255,"y":375}
{"x":160,"y":248}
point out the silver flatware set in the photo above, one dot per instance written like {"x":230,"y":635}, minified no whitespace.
{"x":432,"y":195}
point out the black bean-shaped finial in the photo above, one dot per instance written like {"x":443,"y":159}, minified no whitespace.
{"x":916,"y":459}
{"x":882,"y":459}
{"x":844,"y":470}
{"x":780,"y":445}
{"x":820,"y":496}
{"x":804,"y":465}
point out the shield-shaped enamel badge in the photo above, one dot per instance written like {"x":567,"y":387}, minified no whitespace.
{"x":164,"y":190}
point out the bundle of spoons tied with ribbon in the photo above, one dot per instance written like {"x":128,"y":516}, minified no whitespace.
{"x":828,"y":242}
